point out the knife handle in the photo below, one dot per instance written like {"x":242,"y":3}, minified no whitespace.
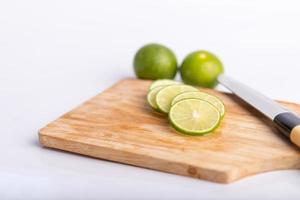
{"x":295,"y":135}
{"x":289,"y":124}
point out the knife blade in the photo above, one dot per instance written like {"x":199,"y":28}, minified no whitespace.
{"x":285,"y":120}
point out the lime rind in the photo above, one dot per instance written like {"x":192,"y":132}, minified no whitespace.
{"x":165,"y":96}
{"x":215,"y":101}
{"x":201,"y":68}
{"x":185,"y":108}
{"x":162,"y":82}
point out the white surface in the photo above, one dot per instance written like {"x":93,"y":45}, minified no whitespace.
{"x":56,"y":54}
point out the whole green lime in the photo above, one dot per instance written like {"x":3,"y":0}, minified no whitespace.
{"x":201,"y":68}
{"x":155,"y":61}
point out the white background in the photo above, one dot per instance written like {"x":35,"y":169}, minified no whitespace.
{"x":56,"y":54}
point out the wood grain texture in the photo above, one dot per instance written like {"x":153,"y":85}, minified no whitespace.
{"x":118,"y":125}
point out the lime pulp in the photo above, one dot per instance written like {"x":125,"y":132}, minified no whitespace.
{"x":215,"y":101}
{"x":165,"y":96}
{"x":194,"y":117}
{"x":161,"y":82}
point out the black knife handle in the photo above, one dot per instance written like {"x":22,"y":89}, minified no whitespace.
{"x":289,"y":124}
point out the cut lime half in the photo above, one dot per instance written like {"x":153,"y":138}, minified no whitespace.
{"x":161,"y":82}
{"x":215,"y":101}
{"x":194,"y":117}
{"x":165,"y":96}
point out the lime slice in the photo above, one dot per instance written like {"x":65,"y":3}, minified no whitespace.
{"x":215,"y":101}
{"x":194,"y":117}
{"x":151,"y":96}
{"x":162,"y":82}
{"x":165,"y":96}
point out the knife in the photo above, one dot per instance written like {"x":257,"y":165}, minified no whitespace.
{"x":285,"y":120}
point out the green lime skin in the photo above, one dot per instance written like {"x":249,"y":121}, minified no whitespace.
{"x":201,"y":68}
{"x":155,"y":61}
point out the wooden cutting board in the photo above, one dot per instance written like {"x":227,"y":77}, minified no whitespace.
{"x":118,"y":125}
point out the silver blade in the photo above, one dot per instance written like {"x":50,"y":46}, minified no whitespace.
{"x":262,"y":103}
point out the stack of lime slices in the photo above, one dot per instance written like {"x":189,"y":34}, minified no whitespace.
{"x":190,"y":111}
